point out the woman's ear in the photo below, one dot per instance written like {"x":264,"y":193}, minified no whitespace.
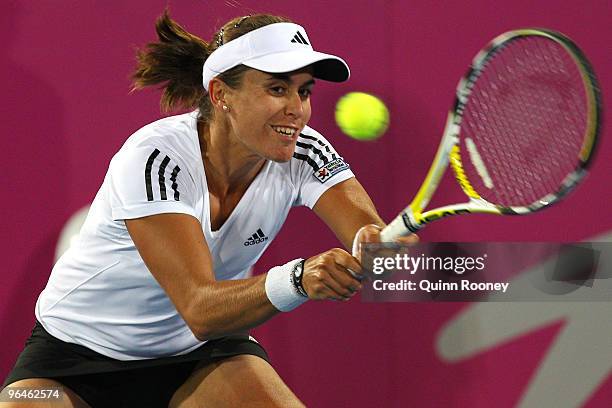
{"x":217,"y":92}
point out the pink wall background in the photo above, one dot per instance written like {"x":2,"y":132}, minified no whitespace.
{"x":66,"y":109}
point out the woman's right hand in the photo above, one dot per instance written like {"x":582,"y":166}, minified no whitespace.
{"x":330,"y":275}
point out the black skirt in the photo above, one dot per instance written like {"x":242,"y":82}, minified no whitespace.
{"x":105,"y":382}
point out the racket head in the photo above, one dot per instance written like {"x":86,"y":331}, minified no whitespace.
{"x":525,"y":122}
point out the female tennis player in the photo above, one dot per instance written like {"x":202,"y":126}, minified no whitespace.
{"x":151,"y":307}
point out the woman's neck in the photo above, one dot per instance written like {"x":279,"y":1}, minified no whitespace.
{"x":230,"y":166}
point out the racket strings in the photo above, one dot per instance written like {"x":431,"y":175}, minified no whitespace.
{"x":536,"y":170}
{"x":549,"y":57}
{"x":526,"y":116}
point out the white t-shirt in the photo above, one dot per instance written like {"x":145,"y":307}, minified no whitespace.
{"x":100,"y":293}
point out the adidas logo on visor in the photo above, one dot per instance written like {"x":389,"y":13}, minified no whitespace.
{"x":256,"y":238}
{"x":299,"y":38}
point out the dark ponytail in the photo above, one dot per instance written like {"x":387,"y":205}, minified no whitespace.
{"x":177,"y":59}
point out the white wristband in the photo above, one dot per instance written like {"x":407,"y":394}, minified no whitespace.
{"x":280,"y":290}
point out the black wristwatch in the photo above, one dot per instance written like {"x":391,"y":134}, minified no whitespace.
{"x":296,"y":278}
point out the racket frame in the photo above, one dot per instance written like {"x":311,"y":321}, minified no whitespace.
{"x":413,"y":218}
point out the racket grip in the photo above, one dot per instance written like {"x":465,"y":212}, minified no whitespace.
{"x":402,"y":225}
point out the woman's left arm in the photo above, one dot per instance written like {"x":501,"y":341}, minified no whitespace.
{"x":345,"y":208}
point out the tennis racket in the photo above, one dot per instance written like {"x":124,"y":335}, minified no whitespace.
{"x":521,"y":133}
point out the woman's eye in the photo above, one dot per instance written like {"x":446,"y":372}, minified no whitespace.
{"x":278,"y":90}
{"x":305,"y":93}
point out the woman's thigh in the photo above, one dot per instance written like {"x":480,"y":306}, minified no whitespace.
{"x":239,"y":381}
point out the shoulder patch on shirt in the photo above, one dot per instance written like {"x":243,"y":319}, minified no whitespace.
{"x":330,"y":169}
{"x":320,"y":156}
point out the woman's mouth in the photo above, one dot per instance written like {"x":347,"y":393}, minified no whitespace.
{"x":286,"y":131}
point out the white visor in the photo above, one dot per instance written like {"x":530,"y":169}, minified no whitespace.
{"x":275,"y":48}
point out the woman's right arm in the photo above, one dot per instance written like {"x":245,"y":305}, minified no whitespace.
{"x":175,"y":251}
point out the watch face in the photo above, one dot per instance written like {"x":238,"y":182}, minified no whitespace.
{"x":298,"y":270}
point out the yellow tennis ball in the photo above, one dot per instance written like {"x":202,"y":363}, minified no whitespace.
{"x":362,"y":116}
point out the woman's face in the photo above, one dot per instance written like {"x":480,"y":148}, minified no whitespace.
{"x":268,"y":111}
